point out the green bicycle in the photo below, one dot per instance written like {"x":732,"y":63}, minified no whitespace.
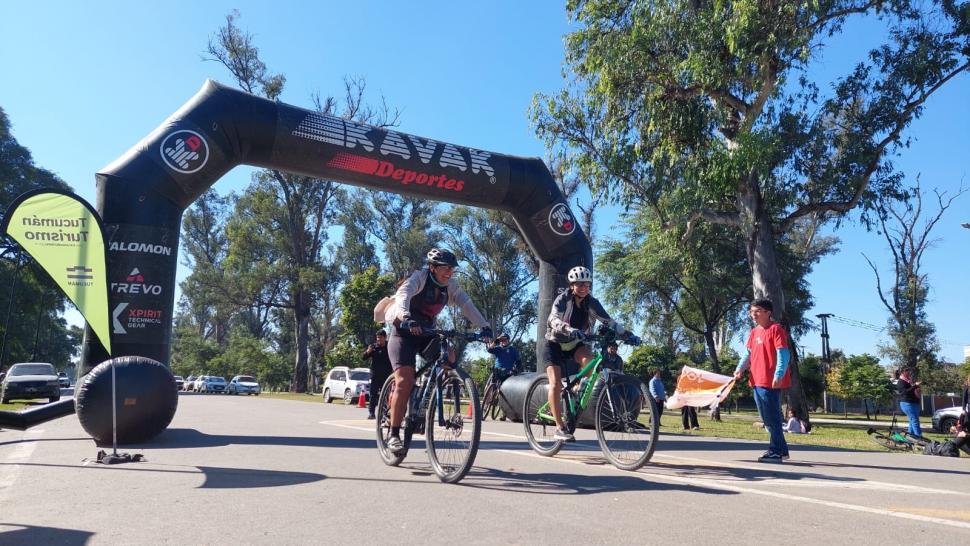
{"x":626,"y":417}
{"x":897,"y":439}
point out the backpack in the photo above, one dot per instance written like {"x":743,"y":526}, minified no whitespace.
{"x":941,"y":449}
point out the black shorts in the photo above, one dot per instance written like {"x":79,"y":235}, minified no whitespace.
{"x":403,"y":348}
{"x":554,"y":355}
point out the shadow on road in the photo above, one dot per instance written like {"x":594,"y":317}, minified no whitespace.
{"x":216,"y":477}
{"x":553,"y":483}
{"x":181,"y":438}
{"x":15,"y":533}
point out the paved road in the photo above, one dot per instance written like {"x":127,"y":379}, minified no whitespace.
{"x":262,"y":471}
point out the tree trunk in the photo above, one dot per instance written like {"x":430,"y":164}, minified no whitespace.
{"x":766,"y":280}
{"x":301,"y":312}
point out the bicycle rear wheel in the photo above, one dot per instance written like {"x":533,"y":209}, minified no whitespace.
{"x":490,"y":401}
{"x":540,"y":427}
{"x":888,"y":441}
{"x":626,"y":424}
{"x":453,"y":442}
{"x":383,"y":421}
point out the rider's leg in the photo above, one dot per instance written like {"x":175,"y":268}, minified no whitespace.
{"x":403,"y":382}
{"x":554,"y":373}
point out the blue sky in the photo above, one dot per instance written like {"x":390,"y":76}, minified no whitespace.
{"x":83,"y":82}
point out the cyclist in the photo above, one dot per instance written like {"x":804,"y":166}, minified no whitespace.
{"x":507,"y":359}
{"x":571,"y":319}
{"x":416,"y":305}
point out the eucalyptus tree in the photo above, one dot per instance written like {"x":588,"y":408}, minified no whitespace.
{"x":296,"y":210}
{"x":713,"y":105}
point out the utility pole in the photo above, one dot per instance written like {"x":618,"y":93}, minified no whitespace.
{"x":826,"y":360}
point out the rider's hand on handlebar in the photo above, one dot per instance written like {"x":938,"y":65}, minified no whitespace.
{"x":412,"y":326}
{"x":632,"y":340}
{"x":578,"y":334}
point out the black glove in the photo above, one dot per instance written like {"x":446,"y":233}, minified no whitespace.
{"x":579,"y":335}
{"x":408,"y":324}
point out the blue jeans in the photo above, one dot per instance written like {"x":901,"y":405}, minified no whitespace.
{"x":769,"y":407}
{"x":911,"y":409}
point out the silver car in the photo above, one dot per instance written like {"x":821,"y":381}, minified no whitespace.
{"x":944,"y":418}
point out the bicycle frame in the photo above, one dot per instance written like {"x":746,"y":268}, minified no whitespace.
{"x":419,"y":397}
{"x":577,"y":406}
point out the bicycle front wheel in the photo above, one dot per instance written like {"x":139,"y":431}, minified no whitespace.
{"x":383,"y":421}
{"x":540,"y":427}
{"x":626,"y":424}
{"x":453,"y":439}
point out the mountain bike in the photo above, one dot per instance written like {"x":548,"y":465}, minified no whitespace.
{"x":444,"y":407}
{"x":493,"y":393}
{"x":897,"y":439}
{"x":626,"y":417}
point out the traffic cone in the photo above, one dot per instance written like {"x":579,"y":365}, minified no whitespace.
{"x":470,"y":409}
{"x":362,"y":400}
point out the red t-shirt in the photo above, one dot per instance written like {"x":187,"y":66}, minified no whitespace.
{"x":763,"y":344}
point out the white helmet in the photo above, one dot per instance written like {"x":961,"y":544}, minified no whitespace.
{"x":579,"y":274}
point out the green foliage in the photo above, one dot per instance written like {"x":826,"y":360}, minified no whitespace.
{"x":191,"y":353}
{"x":357,"y":300}
{"x":646,"y":359}
{"x":860,"y":376}
{"x":33,"y":330}
{"x":811,"y":369}
{"x":346,"y":352}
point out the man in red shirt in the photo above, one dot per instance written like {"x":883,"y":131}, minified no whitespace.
{"x":768,"y":357}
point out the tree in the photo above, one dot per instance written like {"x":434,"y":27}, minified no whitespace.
{"x":860,"y":376}
{"x":297,"y":210}
{"x":493,"y":272}
{"x":712,"y":106}
{"x":357,"y":300}
{"x":31,"y":328}
{"x":907,"y":232}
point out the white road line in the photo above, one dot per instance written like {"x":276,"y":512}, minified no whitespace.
{"x":10,"y":471}
{"x":714,"y":484}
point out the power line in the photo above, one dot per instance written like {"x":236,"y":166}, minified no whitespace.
{"x":857,"y":323}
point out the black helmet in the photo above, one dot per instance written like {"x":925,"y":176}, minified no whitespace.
{"x":503,"y":335}
{"x":440,"y":256}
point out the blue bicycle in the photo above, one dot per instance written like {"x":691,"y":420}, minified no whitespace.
{"x":443,"y":406}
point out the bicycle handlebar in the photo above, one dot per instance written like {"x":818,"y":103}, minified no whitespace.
{"x":468,"y":336}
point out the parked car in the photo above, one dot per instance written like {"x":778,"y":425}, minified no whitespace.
{"x":213,"y":383}
{"x":243,"y":384}
{"x":189,"y":383}
{"x":199,"y":381}
{"x":63,"y":380}
{"x":347,"y":383}
{"x":29,"y":380}
{"x":944,"y":418}
{"x":179,"y":383}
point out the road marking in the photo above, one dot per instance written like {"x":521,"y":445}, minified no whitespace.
{"x":714,"y":484}
{"x":11,"y":469}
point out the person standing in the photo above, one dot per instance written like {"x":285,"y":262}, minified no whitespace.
{"x":380,"y":369}
{"x":767,"y":358}
{"x":909,"y":399}
{"x":658,"y":393}
{"x":508,"y":362}
{"x":688,"y":416}
{"x":611,"y":360}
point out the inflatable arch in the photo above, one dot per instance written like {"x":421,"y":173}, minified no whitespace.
{"x":142,"y":195}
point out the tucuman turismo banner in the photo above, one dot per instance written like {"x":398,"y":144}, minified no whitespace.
{"x":700,"y":388}
{"x":65,"y":236}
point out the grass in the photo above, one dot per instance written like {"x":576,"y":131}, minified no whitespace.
{"x":742,"y":427}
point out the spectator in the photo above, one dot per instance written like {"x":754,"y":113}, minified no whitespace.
{"x":380,"y":369}
{"x":909,"y":399}
{"x":767,"y":357}
{"x":507,"y":359}
{"x":657,"y":392}
{"x":611,"y":360}
{"x":688,"y":415}
{"x":794,"y":424}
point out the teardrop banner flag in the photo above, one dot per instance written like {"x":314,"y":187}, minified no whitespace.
{"x":64,"y":234}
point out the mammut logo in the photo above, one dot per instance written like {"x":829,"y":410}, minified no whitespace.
{"x":185,"y":151}
{"x":561,"y":220}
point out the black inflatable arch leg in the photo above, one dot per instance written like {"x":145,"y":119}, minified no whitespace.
{"x":146,"y":400}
